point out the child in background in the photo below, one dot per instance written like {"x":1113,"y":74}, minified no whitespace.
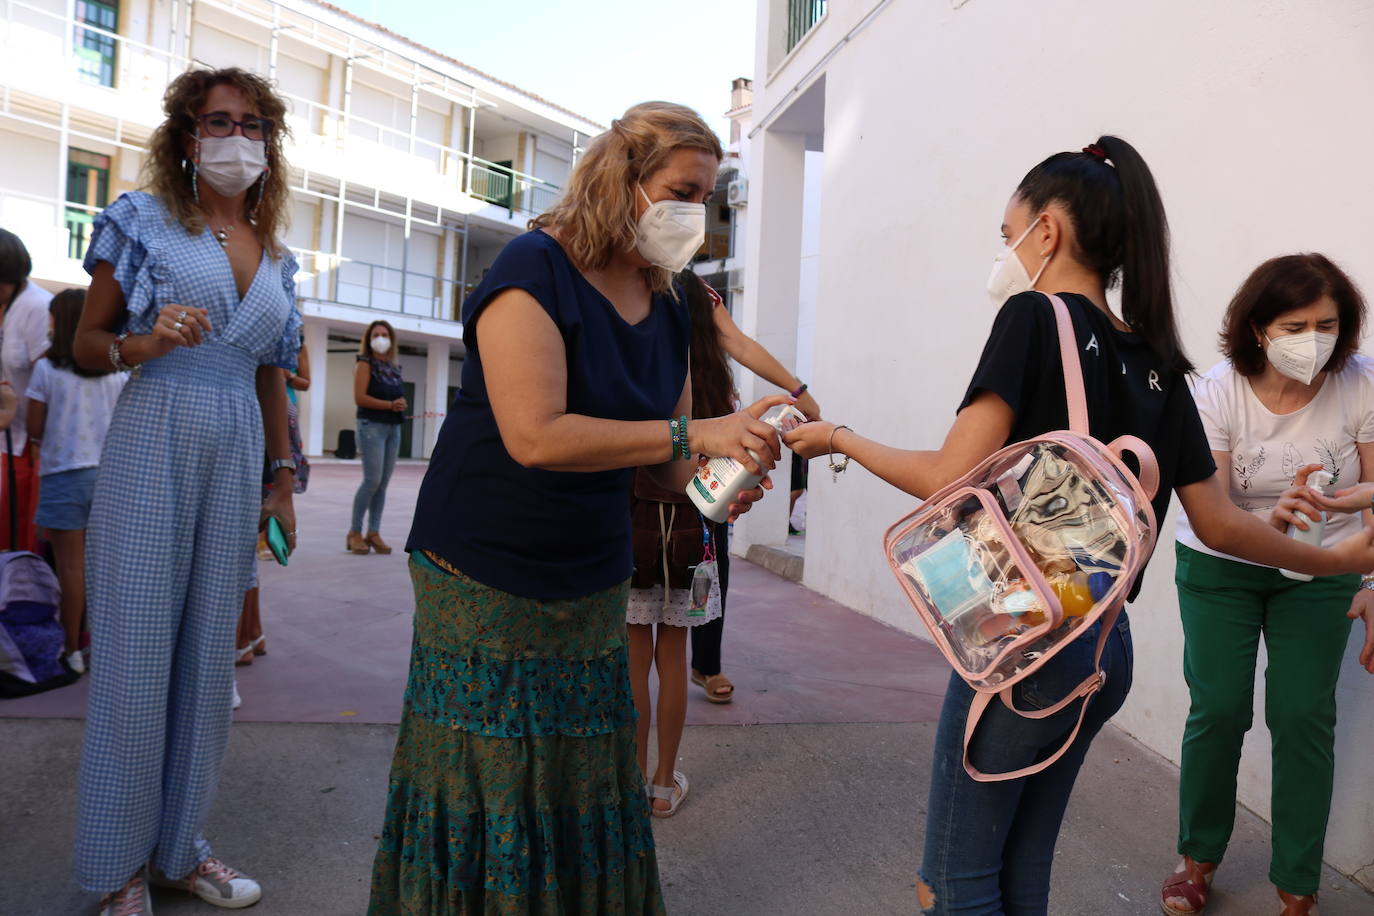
{"x":68,"y":412}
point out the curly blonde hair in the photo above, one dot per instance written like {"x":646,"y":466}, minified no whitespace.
{"x":595,"y":216}
{"x":166,"y":176}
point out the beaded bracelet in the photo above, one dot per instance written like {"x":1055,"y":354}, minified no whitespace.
{"x":678,"y":428}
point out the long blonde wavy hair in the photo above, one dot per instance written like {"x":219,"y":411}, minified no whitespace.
{"x":595,"y":216}
{"x":165,"y":175}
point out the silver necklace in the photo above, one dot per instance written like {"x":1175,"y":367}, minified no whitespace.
{"x":222,"y":235}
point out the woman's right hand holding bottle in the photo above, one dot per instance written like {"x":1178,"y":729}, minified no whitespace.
{"x":736,"y":435}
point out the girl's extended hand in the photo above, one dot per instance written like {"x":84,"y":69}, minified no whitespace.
{"x":1362,"y":605}
{"x":1351,"y":499}
{"x":180,"y":326}
{"x":807,"y":405}
{"x":737,"y":434}
{"x":810,"y":440}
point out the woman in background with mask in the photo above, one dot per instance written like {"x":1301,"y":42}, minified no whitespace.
{"x":192,"y":290}
{"x":1292,"y":397}
{"x":1077,"y":224}
{"x":514,"y":786}
{"x":379,"y":392}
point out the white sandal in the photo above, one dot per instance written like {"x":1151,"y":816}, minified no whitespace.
{"x":675,"y":795}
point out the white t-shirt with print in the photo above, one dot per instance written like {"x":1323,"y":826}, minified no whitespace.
{"x":24,"y":328}
{"x":79,"y":411}
{"x":1267,"y":449}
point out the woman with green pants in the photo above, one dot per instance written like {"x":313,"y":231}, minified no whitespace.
{"x":1291,"y":398}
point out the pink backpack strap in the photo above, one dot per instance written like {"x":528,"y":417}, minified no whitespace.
{"x":1073,"y":369}
{"x":1085,"y":690}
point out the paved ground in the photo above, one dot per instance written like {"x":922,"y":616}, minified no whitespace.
{"x":808,"y":793}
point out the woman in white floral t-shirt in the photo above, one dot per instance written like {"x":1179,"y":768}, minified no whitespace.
{"x":1293,"y":397}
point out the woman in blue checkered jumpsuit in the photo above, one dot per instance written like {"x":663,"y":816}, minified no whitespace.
{"x":172,"y":536}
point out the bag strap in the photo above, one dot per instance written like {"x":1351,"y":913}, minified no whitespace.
{"x":1073,"y":369}
{"x":1085,"y":690}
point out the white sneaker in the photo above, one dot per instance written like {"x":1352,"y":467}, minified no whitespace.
{"x":75,"y":661}
{"x":131,"y":900}
{"x":216,"y":884}
{"x":238,"y":700}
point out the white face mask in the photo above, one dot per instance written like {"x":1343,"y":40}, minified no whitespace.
{"x":670,"y":232}
{"x":230,"y":165}
{"x":1301,"y":356}
{"x":381,"y":344}
{"x":1009,"y":275}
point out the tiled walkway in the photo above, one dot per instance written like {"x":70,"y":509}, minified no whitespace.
{"x":808,"y":792}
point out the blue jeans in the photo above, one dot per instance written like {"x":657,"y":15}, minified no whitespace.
{"x":378,"y":444}
{"x":989,"y":846}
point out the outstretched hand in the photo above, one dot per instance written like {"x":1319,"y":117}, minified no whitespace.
{"x":1351,"y":499}
{"x":1362,"y":605}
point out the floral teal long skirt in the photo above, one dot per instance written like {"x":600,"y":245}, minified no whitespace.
{"x":515,"y":788}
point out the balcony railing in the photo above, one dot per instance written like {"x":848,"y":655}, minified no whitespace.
{"x":37,"y":55}
{"x":802,"y":15}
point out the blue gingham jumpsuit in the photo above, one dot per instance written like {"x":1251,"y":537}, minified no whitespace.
{"x":170,"y":544}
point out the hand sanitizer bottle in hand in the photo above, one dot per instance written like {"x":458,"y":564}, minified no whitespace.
{"x":719,"y":481}
{"x":1315,"y":529}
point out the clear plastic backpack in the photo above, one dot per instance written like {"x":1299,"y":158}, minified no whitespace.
{"x":1008,"y":564}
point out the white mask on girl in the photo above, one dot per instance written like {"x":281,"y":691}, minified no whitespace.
{"x":230,"y":165}
{"x":381,"y":344}
{"x":1301,"y":356}
{"x":670,"y":232}
{"x":1009,"y":275}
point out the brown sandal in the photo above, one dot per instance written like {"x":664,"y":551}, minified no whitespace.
{"x":1189,"y":882}
{"x":1298,"y":905}
{"x":712,"y":686}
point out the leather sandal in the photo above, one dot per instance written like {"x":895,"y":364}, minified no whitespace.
{"x":712,"y":686}
{"x":1190,"y":882}
{"x":675,"y":795}
{"x":1298,"y":904}
{"x":354,"y":543}
{"x":374,"y":540}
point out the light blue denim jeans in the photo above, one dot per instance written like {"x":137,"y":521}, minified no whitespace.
{"x":378,"y":444}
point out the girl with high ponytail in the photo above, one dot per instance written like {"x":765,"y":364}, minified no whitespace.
{"x":1078,"y":224}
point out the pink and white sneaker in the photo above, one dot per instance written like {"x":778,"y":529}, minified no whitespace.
{"x":216,"y":884}
{"x":130,"y":900}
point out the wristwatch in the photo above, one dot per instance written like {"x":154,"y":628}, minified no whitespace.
{"x":280,"y":463}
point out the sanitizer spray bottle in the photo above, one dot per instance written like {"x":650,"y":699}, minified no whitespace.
{"x":719,"y":481}
{"x":1315,"y":529}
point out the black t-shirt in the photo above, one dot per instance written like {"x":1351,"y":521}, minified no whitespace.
{"x":1128,"y":390}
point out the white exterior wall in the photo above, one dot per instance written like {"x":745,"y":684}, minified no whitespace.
{"x":932,"y":115}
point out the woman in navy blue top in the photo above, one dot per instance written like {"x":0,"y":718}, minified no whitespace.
{"x":514,"y":786}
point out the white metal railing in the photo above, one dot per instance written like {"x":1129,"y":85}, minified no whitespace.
{"x":37,"y":55}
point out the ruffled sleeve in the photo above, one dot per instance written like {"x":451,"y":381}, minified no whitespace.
{"x":122,"y":235}
{"x":288,"y":347}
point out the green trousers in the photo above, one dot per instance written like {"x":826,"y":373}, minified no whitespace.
{"x":1226,"y":608}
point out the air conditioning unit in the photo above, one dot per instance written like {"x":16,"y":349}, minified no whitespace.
{"x":737,"y":193}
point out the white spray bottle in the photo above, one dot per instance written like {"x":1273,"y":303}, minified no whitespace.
{"x":719,"y":481}
{"x":1315,"y":529}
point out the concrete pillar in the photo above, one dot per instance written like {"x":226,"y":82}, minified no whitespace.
{"x":768,"y":311}
{"x":436,"y":387}
{"x":310,"y":404}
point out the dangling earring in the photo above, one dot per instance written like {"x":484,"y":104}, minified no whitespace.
{"x":262,"y":184}
{"x":195,"y":169}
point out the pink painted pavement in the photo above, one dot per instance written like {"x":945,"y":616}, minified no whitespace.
{"x":339,"y":626}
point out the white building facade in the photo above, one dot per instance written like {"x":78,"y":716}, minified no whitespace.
{"x":410,"y":171}
{"x":929,"y":114}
